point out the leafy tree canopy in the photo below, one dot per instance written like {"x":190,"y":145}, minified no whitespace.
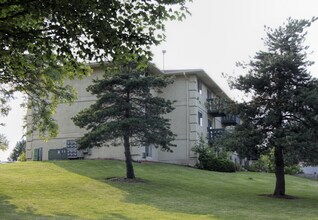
{"x":3,"y":143}
{"x":42,"y":43}
{"x":127,"y":110}
{"x":282,"y":113}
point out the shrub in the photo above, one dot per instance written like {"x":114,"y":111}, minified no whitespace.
{"x":209,"y":161}
{"x":293,"y":169}
{"x":22,"y":157}
{"x":258,"y":166}
{"x":266,"y":164}
{"x":221,"y":165}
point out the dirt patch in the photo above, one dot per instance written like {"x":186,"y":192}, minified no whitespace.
{"x":279,"y":196}
{"x":124,"y":180}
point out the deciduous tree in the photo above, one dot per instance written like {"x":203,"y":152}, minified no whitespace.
{"x":3,"y":143}
{"x":42,"y":43}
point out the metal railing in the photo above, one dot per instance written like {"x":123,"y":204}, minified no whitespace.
{"x":214,"y":133}
{"x":216,"y":107}
{"x":230,"y":120}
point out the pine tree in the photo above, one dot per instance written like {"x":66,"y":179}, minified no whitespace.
{"x":126,"y":109}
{"x":282,"y":113}
{"x":18,"y":150}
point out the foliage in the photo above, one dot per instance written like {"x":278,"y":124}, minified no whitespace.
{"x":22,"y":157}
{"x":18,"y":150}
{"x":127,"y":109}
{"x":293,"y":169}
{"x":209,"y":160}
{"x":257,"y":166}
{"x":219,"y":164}
{"x":43,"y":43}
{"x":266,"y":163}
{"x":3,"y":143}
{"x":261,"y":165}
{"x":203,"y":150}
{"x":282,"y":113}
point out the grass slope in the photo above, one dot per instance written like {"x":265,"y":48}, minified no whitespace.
{"x":78,"y":190}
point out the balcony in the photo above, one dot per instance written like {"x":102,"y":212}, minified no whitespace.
{"x":228,"y":120}
{"x":216,"y":107}
{"x":215,"y":133}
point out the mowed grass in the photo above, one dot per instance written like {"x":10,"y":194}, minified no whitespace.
{"x":79,"y":190}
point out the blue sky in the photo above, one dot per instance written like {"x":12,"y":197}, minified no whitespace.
{"x":217,"y":35}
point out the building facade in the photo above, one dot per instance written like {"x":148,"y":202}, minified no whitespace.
{"x":198,"y":112}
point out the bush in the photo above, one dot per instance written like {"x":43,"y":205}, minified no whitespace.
{"x":258,"y":166}
{"x":221,"y":165}
{"x":266,"y":164}
{"x":293,"y":169}
{"x":210,"y":162}
{"x":22,"y":157}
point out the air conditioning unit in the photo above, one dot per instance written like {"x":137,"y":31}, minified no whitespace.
{"x":72,"y":151}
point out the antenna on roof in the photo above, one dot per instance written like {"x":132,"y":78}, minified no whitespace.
{"x":163,"y":60}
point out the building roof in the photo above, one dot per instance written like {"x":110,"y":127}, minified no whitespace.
{"x":203,"y":76}
{"x":200,"y":73}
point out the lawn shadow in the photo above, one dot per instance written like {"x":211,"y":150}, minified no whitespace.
{"x":9,"y":211}
{"x":279,"y":196}
{"x":170,"y":189}
{"x":160,"y":193}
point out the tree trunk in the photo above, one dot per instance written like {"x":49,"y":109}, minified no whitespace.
{"x":130,"y":174}
{"x":279,"y":172}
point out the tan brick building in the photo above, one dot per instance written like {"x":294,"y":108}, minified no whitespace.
{"x":193,"y":90}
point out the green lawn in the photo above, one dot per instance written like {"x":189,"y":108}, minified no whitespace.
{"x":78,"y":190}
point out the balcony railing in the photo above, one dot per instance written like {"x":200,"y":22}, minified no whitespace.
{"x":230,"y":120}
{"x":215,"y":133}
{"x":216,"y":107}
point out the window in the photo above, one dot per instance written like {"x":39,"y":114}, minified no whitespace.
{"x":148,"y":151}
{"x":200,"y":119}
{"x":199,"y":87}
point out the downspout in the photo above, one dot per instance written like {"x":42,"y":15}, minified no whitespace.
{"x":187,"y":116}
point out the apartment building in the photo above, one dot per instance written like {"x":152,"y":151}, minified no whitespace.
{"x":198,"y":111}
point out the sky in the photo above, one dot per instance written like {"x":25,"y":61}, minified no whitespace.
{"x":220,"y":33}
{"x":216,"y":35}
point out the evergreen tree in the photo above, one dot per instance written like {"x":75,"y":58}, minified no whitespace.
{"x":282,"y":114}
{"x":18,"y":150}
{"x":127,"y":110}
